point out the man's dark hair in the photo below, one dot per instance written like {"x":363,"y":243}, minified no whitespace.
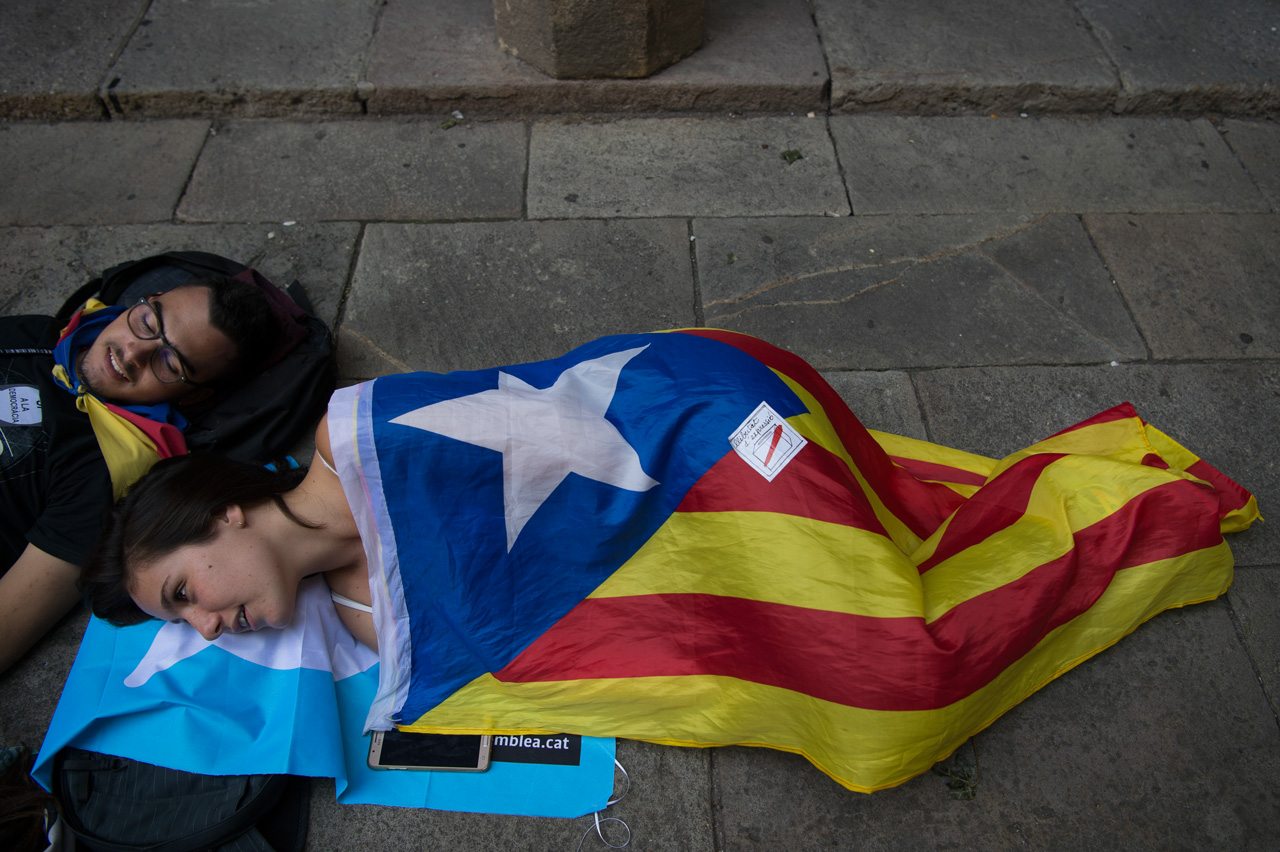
{"x":240,"y":311}
{"x":172,"y":506}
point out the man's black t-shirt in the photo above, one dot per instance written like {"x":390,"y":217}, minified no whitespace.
{"x":54,"y":483}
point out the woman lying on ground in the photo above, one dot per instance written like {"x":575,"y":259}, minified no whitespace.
{"x":223,"y":545}
{"x":686,"y":538}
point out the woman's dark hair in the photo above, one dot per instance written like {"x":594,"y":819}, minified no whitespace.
{"x":172,"y":506}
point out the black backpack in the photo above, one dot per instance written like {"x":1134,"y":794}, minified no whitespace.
{"x":263,"y":417}
{"x":113,"y":804}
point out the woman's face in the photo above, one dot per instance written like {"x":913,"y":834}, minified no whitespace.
{"x":229,"y":584}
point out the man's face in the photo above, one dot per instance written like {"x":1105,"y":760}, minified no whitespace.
{"x":117,"y":367}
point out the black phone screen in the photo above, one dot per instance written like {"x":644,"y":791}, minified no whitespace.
{"x":448,"y":751}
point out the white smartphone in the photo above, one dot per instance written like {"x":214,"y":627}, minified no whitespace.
{"x":453,"y":752}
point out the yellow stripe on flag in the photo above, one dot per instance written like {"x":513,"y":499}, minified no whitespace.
{"x":127,"y":450}
{"x":1068,"y":497}
{"x":1122,"y":440}
{"x":752,"y":555}
{"x":864,"y":750}
{"x":1237,"y":520}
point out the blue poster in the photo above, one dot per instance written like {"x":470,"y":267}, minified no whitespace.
{"x":286,"y":701}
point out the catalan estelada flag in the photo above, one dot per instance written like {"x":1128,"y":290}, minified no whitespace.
{"x":688,"y":538}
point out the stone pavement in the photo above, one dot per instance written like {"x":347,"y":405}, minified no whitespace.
{"x":1006,"y":216}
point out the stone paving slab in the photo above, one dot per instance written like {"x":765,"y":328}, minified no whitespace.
{"x":1253,"y":599}
{"x":682,"y":167}
{"x":87,"y":173}
{"x":29,"y":690}
{"x":1228,"y":413}
{"x":475,"y":295}
{"x":973,"y":164}
{"x":339,"y":170}
{"x":370,"y":828}
{"x":925,"y":57}
{"x":847,"y":293}
{"x":1257,"y":144}
{"x":1188,"y":56}
{"x":667,"y":805}
{"x":442,"y":55}
{"x":40,"y":267}
{"x":244,"y":57}
{"x":882,"y":400}
{"x":1161,"y":742}
{"x":1200,"y":286}
{"x":1057,"y":260}
{"x":52,"y":55}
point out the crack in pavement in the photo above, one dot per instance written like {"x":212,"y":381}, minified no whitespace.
{"x":855,"y":267}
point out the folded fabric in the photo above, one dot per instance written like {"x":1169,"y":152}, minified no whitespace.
{"x":132,"y":437}
{"x":688,"y":538}
{"x":281,"y":701}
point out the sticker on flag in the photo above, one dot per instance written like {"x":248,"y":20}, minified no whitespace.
{"x":766,"y":441}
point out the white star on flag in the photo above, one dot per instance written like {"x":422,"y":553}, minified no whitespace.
{"x":543,"y":434}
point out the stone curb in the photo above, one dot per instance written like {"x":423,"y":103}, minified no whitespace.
{"x":421,"y":57}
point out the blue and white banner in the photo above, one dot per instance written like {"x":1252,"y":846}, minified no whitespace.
{"x":281,"y":701}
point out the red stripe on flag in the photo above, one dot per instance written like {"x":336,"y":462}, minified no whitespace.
{"x":168,"y":438}
{"x":815,"y":484}
{"x":920,"y":505}
{"x":857,"y":660}
{"x":999,"y":504}
{"x":1231,"y":496}
{"x":938,"y":472}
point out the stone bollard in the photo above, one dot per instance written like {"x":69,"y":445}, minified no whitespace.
{"x":576,"y":39}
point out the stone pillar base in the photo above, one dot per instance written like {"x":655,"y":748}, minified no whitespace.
{"x":579,"y":39}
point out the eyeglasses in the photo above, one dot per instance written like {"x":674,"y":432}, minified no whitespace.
{"x":145,"y":323}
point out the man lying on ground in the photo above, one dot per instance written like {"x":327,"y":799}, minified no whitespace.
{"x":77,"y":407}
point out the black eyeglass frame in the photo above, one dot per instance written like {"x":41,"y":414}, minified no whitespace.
{"x":159,"y":335}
